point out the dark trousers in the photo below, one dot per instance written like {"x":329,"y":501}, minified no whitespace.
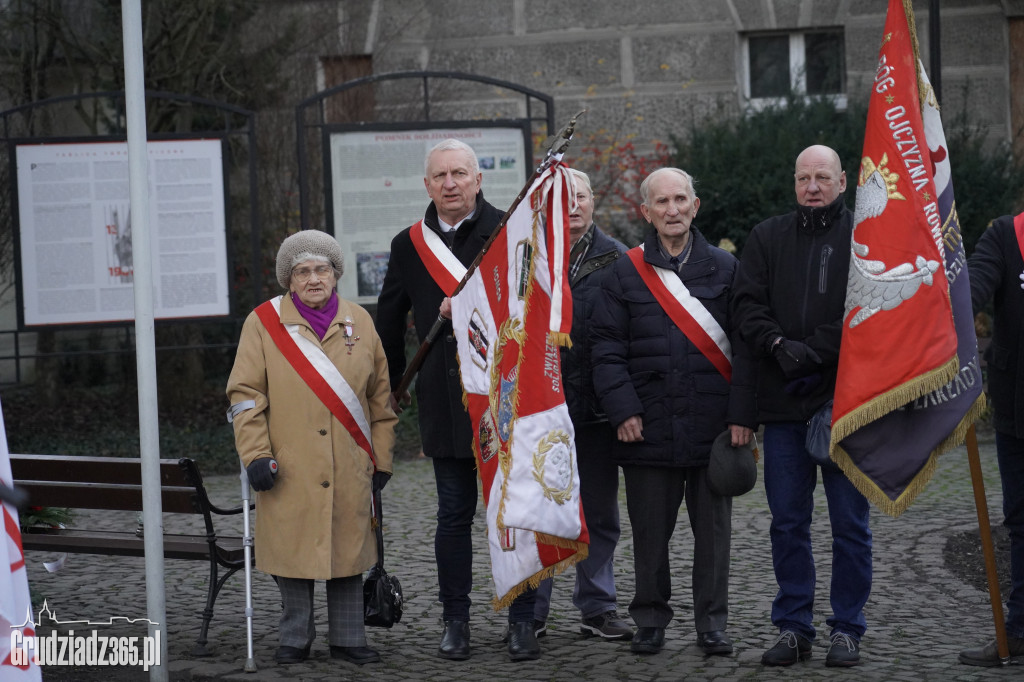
{"x":1010,"y":451}
{"x":653,"y":497}
{"x":457,"y":493}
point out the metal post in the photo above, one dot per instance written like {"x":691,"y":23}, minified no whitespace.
{"x":145,"y":341}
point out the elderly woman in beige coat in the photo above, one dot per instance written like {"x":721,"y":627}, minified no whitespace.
{"x":309,"y":402}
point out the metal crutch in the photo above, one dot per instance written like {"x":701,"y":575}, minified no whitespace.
{"x":250,"y":662}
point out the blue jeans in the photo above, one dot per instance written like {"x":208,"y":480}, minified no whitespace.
{"x":456,"y":481}
{"x":1010,"y":451}
{"x":594,"y":593}
{"x":789,"y":480}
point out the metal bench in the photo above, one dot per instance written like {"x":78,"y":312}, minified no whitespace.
{"x":115,"y":483}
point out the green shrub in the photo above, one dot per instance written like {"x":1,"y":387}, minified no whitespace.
{"x":744,"y":166}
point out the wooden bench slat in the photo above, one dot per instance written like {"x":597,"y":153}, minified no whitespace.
{"x":120,"y":543}
{"x":126,"y":470}
{"x":109,"y":496}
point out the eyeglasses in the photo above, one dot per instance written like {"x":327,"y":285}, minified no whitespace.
{"x":303,"y":274}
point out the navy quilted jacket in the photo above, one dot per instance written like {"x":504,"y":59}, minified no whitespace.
{"x":644,"y":365}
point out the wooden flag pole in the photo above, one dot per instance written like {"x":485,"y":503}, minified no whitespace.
{"x":974,"y":459}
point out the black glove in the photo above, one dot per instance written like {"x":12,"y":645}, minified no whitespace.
{"x":796,"y":359}
{"x":261,"y":473}
{"x":803,"y":385}
{"x":380,"y":479}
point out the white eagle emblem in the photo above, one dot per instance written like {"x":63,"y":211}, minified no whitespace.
{"x":871,"y":287}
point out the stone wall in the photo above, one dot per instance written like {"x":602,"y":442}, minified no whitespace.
{"x":650,"y":68}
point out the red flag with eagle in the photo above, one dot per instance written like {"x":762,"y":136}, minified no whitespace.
{"x":510,"y":319}
{"x":909,"y":382}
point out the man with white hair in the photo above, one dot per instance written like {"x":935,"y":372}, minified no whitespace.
{"x":670,"y":383}
{"x":422,"y":274}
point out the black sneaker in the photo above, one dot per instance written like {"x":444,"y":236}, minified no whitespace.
{"x":787,"y":650}
{"x":607,"y":625}
{"x":843,"y":651}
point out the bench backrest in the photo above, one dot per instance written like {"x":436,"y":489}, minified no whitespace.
{"x":106,"y":483}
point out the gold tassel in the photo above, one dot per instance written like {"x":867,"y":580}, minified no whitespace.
{"x":559,"y":339}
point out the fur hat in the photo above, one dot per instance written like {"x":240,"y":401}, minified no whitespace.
{"x":313,"y":242}
{"x":731,"y":471}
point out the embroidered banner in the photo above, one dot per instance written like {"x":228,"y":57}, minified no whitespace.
{"x":510,"y":319}
{"x":909,"y":382}
{"x":319,"y":373}
{"x":441,"y":263}
{"x":688,"y":313}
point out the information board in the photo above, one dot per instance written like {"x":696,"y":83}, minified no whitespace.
{"x":75,"y":231}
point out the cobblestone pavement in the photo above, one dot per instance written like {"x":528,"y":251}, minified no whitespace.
{"x":919,"y":614}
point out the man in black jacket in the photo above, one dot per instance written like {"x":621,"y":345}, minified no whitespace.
{"x":667,"y":374}
{"x":996,"y":270}
{"x":789,"y":307}
{"x":594,"y":595}
{"x":421,"y":275}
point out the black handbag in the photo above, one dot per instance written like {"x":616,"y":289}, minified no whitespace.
{"x":382,"y":593}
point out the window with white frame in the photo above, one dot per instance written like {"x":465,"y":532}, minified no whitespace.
{"x":804,"y":62}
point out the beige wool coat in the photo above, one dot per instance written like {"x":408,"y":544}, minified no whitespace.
{"x":316,"y":520}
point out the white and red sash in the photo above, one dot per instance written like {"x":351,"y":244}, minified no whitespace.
{"x":319,"y":373}
{"x":689,"y":314}
{"x":1018,"y":227}
{"x":440,"y":262}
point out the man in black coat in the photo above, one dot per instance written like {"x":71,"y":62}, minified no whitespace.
{"x":668,"y":377}
{"x":590,"y":258}
{"x":420,"y":276}
{"x":996,"y":269}
{"x":789,"y":304}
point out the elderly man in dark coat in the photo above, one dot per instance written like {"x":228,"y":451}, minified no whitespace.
{"x":420,"y":274}
{"x":996,"y":270}
{"x":671,"y":375}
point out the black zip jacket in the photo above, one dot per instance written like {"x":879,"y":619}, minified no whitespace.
{"x":792,"y":283}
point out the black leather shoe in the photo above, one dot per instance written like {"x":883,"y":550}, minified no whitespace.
{"x":522,"y":641}
{"x":291,"y":654}
{"x":648,"y":640}
{"x":360,"y":655}
{"x":714,"y":642}
{"x":454,"y":641}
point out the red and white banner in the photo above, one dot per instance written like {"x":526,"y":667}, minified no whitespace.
{"x":510,"y":319}
{"x":15,"y":604}
{"x":909,"y":382}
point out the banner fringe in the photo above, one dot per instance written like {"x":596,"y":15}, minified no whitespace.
{"x":891,"y":400}
{"x":582,"y":549}
{"x":886,"y":504}
{"x":559,"y":339}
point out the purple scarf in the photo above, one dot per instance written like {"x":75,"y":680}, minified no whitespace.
{"x":319,"y":319}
